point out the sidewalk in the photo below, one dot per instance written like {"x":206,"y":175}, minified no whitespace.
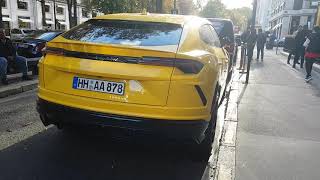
{"x":278,"y":136}
{"x":16,"y":85}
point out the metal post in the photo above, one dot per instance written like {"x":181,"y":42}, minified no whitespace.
{"x":54,"y":14}
{"x":253,"y":23}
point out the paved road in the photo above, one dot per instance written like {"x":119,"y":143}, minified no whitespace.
{"x":30,"y":151}
{"x":279,"y":125}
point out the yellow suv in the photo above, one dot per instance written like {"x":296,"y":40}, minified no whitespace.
{"x":151,"y":72}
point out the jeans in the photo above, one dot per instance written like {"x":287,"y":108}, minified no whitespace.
{"x":3,"y":67}
{"x":299,"y":54}
{"x":309,"y":64}
{"x":260,"y":49}
{"x":21,"y":63}
{"x":250,"y":53}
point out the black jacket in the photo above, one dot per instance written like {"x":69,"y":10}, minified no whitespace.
{"x":251,"y":40}
{"x":301,"y":38}
{"x":314,"y":45}
{"x":7,"y":48}
{"x":261,"y":39}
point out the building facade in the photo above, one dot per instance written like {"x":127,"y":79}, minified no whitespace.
{"x":262,"y":16}
{"x":27,"y":14}
{"x":285,"y":16}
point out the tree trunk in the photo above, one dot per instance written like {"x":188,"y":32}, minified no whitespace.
{"x":159,"y":6}
{"x":69,"y":4}
{"x":43,"y":13}
{"x":1,"y":23}
{"x":75,"y":15}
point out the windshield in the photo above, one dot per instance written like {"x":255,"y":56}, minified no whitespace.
{"x":132,"y":33}
{"x":47,"y":36}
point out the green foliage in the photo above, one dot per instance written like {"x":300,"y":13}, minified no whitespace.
{"x":127,"y":6}
{"x":216,"y":9}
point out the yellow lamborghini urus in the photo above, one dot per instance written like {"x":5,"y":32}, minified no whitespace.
{"x":164,"y":74}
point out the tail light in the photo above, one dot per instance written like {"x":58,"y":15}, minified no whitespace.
{"x":185,"y":65}
{"x":54,"y":51}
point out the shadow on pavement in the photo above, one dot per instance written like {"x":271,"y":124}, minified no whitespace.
{"x":54,"y":154}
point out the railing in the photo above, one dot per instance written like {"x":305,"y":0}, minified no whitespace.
{"x":245,"y":63}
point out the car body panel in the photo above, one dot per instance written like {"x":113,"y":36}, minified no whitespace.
{"x":152,"y":91}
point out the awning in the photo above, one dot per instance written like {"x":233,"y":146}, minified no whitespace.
{"x":49,"y":22}
{"x":25,"y":20}
{"x":276,"y":26}
{"x":62,"y":22}
{"x":6,"y":19}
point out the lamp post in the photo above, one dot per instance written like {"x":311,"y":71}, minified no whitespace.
{"x":254,"y":13}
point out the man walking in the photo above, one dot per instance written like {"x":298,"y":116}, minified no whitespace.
{"x":251,"y":43}
{"x":261,"y":41}
{"x":8,"y":53}
{"x":300,"y":49}
{"x":312,"y":51}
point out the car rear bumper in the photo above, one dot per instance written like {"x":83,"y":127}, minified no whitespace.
{"x":52,"y":113}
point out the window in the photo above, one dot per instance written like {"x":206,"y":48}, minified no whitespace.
{"x":22,"y":5}
{"x":24,"y":22}
{"x":133,"y":33}
{"x":47,"y":8}
{"x":84,"y":13}
{"x":94,"y":14}
{"x":297,"y":4}
{"x":209,"y":36}
{"x":60,"y":10}
{"x":4,"y":4}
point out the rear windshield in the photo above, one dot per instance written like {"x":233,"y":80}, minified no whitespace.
{"x":133,"y":33}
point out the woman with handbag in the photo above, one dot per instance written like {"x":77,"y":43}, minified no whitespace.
{"x":312,"y":55}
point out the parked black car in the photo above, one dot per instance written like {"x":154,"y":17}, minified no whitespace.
{"x":224,"y":28}
{"x":31,"y":48}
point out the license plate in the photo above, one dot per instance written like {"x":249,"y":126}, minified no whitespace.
{"x":98,"y":86}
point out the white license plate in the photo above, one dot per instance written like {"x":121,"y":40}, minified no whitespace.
{"x":98,"y":86}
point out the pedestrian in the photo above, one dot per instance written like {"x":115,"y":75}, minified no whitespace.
{"x":261,"y":41}
{"x":292,"y":47}
{"x":299,"y":48}
{"x":251,"y":43}
{"x":8,"y":53}
{"x":312,"y":45}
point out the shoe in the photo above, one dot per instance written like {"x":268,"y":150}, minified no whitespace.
{"x":308,"y":78}
{"x":298,"y":62}
{"x":288,"y":62}
{"x":294,"y":66}
{"x":301,"y":67}
{"x":26,"y":78}
{"x":5,"y":81}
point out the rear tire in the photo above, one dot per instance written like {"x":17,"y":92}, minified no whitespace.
{"x":203,"y":150}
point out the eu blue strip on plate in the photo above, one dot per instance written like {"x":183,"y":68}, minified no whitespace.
{"x":75,"y":83}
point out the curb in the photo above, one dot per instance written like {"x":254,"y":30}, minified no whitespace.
{"x":18,"y":88}
{"x":225,"y":168}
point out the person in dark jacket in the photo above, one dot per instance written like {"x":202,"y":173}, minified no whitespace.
{"x":251,"y":43}
{"x":261,"y":41}
{"x":8,"y":53}
{"x":300,"y":49}
{"x":312,"y":45}
{"x":292,"y":47}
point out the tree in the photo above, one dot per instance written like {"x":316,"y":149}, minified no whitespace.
{"x":186,"y":7}
{"x":214,"y":9}
{"x":75,"y":15}
{"x":43,"y":12}
{"x":69,"y":6}
{"x":1,"y":22}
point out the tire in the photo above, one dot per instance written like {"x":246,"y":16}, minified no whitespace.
{"x":203,"y":150}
